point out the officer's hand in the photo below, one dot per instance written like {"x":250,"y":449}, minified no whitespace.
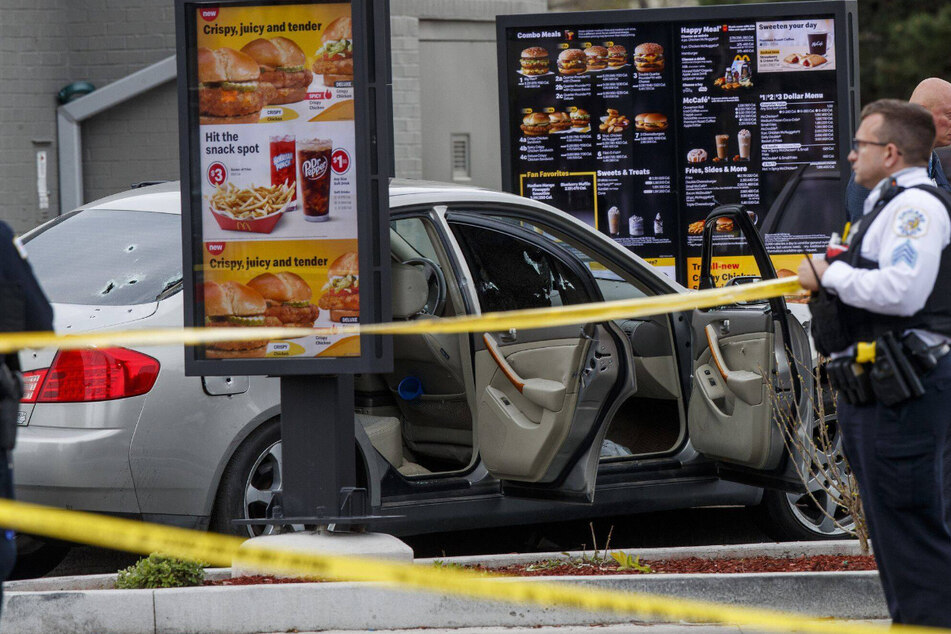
{"x":807,"y":278}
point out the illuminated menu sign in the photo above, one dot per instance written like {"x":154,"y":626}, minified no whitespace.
{"x":276,"y":159}
{"x":639,"y":122}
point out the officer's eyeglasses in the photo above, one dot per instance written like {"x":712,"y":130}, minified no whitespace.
{"x":858,"y":143}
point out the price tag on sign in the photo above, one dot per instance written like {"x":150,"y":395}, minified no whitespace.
{"x":340,"y":161}
{"x":217,"y":174}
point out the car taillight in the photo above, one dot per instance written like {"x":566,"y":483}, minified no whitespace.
{"x":32,"y":381}
{"x":91,"y":375}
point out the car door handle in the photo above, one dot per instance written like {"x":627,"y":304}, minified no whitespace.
{"x":511,"y":336}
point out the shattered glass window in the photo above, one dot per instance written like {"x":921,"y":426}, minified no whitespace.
{"x":108,"y":258}
{"x":510,"y":273}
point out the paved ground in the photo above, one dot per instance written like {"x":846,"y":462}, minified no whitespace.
{"x":685,"y":628}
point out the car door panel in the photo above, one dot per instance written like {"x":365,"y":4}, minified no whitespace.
{"x":729,"y":416}
{"x":518,"y":436}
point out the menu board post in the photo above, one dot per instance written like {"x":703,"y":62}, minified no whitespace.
{"x":286,"y":152}
{"x":640,"y":122}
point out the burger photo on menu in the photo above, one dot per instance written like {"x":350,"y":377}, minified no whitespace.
{"x":234,"y":305}
{"x":617,"y":56}
{"x":229,"y":90}
{"x":559,"y":121}
{"x":334,"y":58}
{"x":649,"y":57}
{"x":597,"y":57}
{"x":288,"y":298}
{"x":342,"y":290}
{"x":580,"y":119}
{"x":650,"y":122}
{"x":283,"y":66}
{"x":536,"y":124}
{"x":534,"y":61}
{"x":572,"y":61}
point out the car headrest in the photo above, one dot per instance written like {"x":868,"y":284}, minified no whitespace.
{"x":410,"y":290}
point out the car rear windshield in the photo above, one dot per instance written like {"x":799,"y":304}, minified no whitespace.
{"x":107,"y":257}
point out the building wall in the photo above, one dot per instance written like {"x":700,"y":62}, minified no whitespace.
{"x":47,"y":44}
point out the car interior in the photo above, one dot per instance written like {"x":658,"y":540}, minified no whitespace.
{"x":420,"y":416}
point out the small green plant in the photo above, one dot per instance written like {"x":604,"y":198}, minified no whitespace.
{"x":452,"y":565}
{"x":159,"y":571}
{"x":625,"y":561}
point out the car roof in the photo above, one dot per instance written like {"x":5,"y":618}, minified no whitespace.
{"x":164,"y":197}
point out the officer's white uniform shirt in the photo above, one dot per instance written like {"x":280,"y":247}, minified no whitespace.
{"x":906,"y":240}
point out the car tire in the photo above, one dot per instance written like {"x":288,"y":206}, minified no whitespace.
{"x":804,"y":517}
{"x":37,"y":557}
{"x":253,"y":473}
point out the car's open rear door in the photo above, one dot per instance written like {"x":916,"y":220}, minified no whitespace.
{"x":751,"y":374}
{"x":542,"y":395}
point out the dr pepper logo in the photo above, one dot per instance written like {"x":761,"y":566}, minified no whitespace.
{"x":314,"y":168}
{"x":208,"y":14}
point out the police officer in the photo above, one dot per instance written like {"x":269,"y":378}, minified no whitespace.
{"x":934,"y":94}
{"x":892,"y":284}
{"x":23,"y":306}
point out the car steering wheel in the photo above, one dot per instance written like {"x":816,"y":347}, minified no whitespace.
{"x":436,"y":280}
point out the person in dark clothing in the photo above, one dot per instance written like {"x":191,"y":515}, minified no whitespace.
{"x":935,"y":96}
{"x":889,"y":288}
{"x":23,"y":306}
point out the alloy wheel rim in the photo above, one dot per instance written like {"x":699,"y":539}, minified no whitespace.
{"x":814,"y":514}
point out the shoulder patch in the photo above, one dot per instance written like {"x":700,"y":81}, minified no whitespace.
{"x":911,"y":223}
{"x":906,"y":253}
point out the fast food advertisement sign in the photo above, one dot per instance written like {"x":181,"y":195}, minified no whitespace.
{"x":641,"y":122}
{"x":275,"y":174}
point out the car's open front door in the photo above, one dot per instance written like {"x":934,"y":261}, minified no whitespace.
{"x":746,"y":383}
{"x":542,"y":394}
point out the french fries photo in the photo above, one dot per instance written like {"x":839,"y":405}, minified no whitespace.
{"x":252,"y":202}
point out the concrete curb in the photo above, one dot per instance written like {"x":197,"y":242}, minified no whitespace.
{"x":363,"y":606}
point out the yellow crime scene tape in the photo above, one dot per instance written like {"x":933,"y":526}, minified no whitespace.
{"x":518,"y":319}
{"x":222,"y":550}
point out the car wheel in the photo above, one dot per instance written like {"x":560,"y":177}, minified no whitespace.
{"x":37,"y":557}
{"x":252,"y":477}
{"x":816,"y":514}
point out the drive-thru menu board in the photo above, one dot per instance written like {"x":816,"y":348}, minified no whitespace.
{"x":641,"y":122}
{"x":274,"y":161}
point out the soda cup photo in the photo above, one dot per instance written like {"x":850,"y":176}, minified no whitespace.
{"x":284,"y":165}
{"x":313,"y":176}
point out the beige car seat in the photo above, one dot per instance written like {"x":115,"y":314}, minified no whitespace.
{"x":438,"y":423}
{"x":386,"y":437}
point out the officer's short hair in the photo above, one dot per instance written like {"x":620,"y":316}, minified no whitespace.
{"x":908,"y":126}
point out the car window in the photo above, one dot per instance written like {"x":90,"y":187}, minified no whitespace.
{"x":799,"y":217}
{"x":511,"y":273}
{"x":414,"y":233}
{"x":108,"y":258}
{"x":611,"y":281}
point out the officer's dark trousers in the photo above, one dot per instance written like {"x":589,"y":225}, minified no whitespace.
{"x":897,"y":455}
{"x":8,"y":550}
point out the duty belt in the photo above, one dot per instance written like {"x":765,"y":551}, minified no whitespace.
{"x":887,"y":370}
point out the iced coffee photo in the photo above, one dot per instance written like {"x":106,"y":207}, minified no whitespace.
{"x":614,"y":221}
{"x":313,"y":163}
{"x":722,"y":140}
{"x":743,"y":139}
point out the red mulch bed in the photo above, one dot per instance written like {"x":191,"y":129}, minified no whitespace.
{"x":816,"y":563}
